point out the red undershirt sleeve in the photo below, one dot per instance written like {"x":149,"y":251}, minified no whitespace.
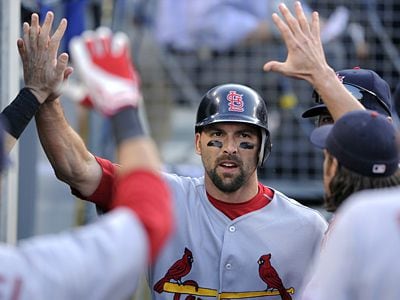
{"x":102,"y":196}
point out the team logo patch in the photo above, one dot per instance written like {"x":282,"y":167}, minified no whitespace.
{"x":172,"y":282}
{"x":235,"y":101}
{"x":378,"y":168}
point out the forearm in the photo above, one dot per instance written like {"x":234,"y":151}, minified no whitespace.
{"x":66,"y":151}
{"x":17,"y":116}
{"x":138,"y":153}
{"x":71,"y":265}
{"x":334,"y":94}
{"x":135,"y":149}
{"x":10,"y":142}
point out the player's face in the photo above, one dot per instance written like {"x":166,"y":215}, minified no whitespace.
{"x":324,"y":119}
{"x":229,"y":152}
{"x":330,"y":166}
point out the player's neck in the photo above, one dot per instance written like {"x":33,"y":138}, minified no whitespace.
{"x":243,"y":194}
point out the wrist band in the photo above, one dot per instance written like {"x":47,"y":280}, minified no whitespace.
{"x":126,"y":124}
{"x":19,"y":112}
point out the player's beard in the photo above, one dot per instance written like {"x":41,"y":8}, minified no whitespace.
{"x":227,"y":187}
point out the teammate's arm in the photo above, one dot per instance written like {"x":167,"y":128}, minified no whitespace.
{"x":306,"y":60}
{"x":65,"y":149}
{"x":44,"y":73}
{"x":113,"y":251}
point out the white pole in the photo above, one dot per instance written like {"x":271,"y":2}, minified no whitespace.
{"x":10,"y":85}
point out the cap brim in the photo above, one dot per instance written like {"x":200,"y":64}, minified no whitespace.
{"x":319,"y":136}
{"x":314,"y":111}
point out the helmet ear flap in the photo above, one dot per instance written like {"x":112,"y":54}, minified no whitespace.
{"x":266,"y":147}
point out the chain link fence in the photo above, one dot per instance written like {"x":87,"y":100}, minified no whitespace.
{"x":360,"y":33}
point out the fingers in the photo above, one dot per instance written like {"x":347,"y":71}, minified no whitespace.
{"x":302,"y":20}
{"x":103,"y":43}
{"x":25,"y":35}
{"x":21,"y":49}
{"x":286,"y":33}
{"x":315,"y":26}
{"x":33,"y":31}
{"x":68,"y":72}
{"x":43,"y":38}
{"x":87,"y":42}
{"x":316,"y":32}
{"x":120,"y":44}
{"x":62,"y":63}
{"x":291,"y":21}
{"x":55,"y":40}
{"x":99,"y":42}
{"x":274,"y":66}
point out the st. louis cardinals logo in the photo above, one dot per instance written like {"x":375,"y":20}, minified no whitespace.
{"x":172,"y":282}
{"x":270,"y":276}
{"x":235,"y":101}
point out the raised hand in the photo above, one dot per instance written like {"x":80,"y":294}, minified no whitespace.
{"x":105,"y":66}
{"x":306,"y":58}
{"x":44,"y":72}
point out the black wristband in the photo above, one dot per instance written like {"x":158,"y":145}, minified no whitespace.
{"x":126,"y":124}
{"x":19,"y":112}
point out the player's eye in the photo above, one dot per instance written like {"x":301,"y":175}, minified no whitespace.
{"x":216,"y":134}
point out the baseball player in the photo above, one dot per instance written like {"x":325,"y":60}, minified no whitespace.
{"x":103,"y":260}
{"x":360,"y":258}
{"x":361,"y":153}
{"x":232,"y":232}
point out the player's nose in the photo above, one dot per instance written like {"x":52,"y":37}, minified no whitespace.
{"x":230,"y":145}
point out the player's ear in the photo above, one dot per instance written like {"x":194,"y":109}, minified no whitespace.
{"x":330,"y":164}
{"x":197,"y":143}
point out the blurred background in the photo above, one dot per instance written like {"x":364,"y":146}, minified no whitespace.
{"x":182,"y":48}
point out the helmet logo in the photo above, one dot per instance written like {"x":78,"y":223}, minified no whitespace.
{"x":340,"y":77}
{"x":235,"y":101}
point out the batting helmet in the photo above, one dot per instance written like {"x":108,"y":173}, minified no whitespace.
{"x":235,"y":103}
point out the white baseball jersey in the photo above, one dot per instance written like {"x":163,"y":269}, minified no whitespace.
{"x":360,"y":258}
{"x":103,"y":260}
{"x":213,"y":257}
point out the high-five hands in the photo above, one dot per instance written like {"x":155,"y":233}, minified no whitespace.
{"x":44,"y":72}
{"x":306,"y":58}
{"x":105,"y":66}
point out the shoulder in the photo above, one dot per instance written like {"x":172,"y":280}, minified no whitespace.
{"x":372,"y":206}
{"x":183,"y":183}
{"x":298,"y":210}
{"x":178,"y":179}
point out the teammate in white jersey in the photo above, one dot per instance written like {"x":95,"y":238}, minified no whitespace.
{"x":361,"y":153}
{"x":360,"y":258}
{"x":103,"y":260}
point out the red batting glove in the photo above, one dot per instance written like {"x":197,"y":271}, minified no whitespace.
{"x":104,"y":65}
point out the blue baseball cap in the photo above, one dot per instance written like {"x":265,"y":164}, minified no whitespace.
{"x":363,"y":141}
{"x":366,"y":86}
